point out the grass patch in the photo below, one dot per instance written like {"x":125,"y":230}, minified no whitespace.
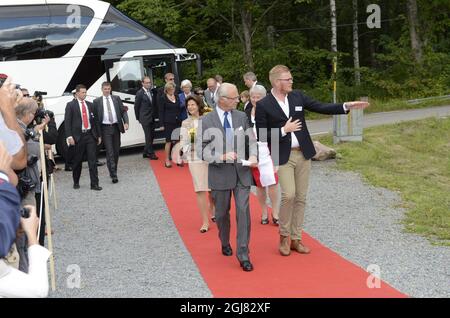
{"x":377,"y":106}
{"x":412,"y":158}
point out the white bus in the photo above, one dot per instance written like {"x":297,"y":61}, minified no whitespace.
{"x":53,"y":45}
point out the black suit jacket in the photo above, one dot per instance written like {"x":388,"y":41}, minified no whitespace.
{"x":144,"y":109}
{"x":270,"y":115}
{"x":121,"y":111}
{"x":73,"y":120}
{"x":248,"y":111}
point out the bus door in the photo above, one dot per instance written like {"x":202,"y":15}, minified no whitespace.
{"x":125,"y":76}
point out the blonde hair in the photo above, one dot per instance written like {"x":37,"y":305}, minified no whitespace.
{"x":276,"y":71}
{"x":245,"y":94}
{"x":169,"y":85}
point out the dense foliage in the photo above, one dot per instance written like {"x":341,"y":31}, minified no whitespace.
{"x":233,"y":37}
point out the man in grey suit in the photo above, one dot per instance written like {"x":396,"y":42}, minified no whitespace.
{"x":211,"y":92}
{"x":113,"y":120}
{"x":225,"y":138}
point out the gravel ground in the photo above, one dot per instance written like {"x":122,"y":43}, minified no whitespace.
{"x":122,"y":238}
{"x":126,"y":245}
{"x":362,"y":224}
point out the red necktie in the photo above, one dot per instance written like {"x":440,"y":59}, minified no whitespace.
{"x":85,"y":117}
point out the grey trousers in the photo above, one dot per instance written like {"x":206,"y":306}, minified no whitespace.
{"x":222,"y":200}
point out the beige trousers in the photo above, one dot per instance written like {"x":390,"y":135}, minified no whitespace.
{"x":294,"y":179}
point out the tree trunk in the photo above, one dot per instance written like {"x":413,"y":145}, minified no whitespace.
{"x":247,"y":29}
{"x":333,"y":26}
{"x":334,"y":45}
{"x":416,"y":44}
{"x":355,"y":43}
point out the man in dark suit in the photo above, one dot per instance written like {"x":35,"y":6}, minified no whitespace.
{"x":226,"y":173}
{"x":83,"y":133}
{"x":282,"y":113}
{"x":145,"y":110}
{"x":113,"y":119}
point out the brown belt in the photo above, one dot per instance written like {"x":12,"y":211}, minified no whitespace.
{"x":296,"y":149}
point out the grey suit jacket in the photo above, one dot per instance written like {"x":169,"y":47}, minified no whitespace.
{"x":225,"y":175}
{"x":209,"y":98}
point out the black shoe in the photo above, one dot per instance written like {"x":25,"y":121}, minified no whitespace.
{"x":68,"y":169}
{"x":152,"y":156}
{"x":99,"y":163}
{"x":265,"y":221}
{"x":180,"y":164}
{"x":76,"y":185}
{"x":115,"y":180}
{"x":246,"y":266}
{"x":275,"y":221}
{"x":227,"y":251}
{"x":96,"y":188}
{"x":213,"y":218}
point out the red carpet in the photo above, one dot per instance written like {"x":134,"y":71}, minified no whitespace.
{"x":322,"y":273}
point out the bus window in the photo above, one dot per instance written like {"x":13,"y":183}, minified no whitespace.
{"x":157,"y":66}
{"x":22,"y":30}
{"x":67,"y":24}
{"x":126,"y":75}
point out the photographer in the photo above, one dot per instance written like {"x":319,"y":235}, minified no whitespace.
{"x":29,"y":185}
{"x":10,"y":132}
{"x":14,"y":283}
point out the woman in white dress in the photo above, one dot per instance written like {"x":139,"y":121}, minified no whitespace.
{"x":266,"y":179}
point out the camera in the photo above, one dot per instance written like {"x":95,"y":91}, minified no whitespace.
{"x":38,"y":96}
{"x":25,"y":213}
{"x":41,"y":113}
{"x":30,"y":133}
{"x":25,"y":185}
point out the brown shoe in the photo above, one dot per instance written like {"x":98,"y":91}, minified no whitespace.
{"x":297,"y":245}
{"x":284,"y":246}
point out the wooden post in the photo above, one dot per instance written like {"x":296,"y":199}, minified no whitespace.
{"x":47,"y":213}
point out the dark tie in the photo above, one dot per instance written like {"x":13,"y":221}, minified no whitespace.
{"x":85,"y":117}
{"x":110,"y":115}
{"x":149,"y":95}
{"x":228,"y":130}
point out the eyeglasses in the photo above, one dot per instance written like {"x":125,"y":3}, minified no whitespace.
{"x":147,"y":82}
{"x":170,"y":79}
{"x":26,"y":95}
{"x":287,"y":79}
{"x":233,"y":98}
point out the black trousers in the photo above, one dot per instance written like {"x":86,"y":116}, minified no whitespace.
{"x":42,"y":217}
{"x":87,"y":144}
{"x":69,"y":157}
{"x":148,"y":131}
{"x":111,"y":140}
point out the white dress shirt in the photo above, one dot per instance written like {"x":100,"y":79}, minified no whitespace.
{"x":105,"y":111}
{"x":285,"y":107}
{"x":221,"y":113}
{"x":149,"y":94}
{"x":15,"y":284}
